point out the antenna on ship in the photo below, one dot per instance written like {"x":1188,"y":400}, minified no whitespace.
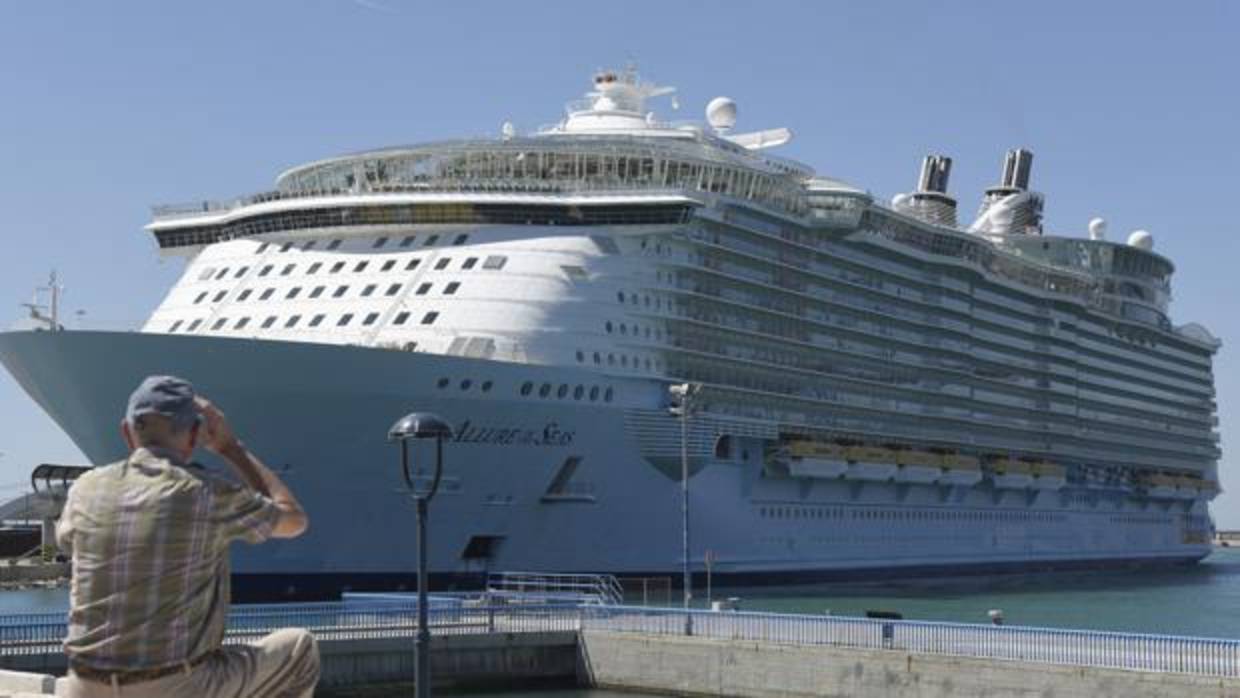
{"x":51,"y":320}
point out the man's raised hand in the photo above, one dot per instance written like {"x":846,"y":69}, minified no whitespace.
{"x":218,"y":436}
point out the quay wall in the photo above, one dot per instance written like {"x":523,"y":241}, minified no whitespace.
{"x":28,"y":573}
{"x":495,"y":658}
{"x":692,"y":666}
{"x":477,"y":659}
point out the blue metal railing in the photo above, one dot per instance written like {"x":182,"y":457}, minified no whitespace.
{"x":1161,"y":653}
{"x":42,"y":633}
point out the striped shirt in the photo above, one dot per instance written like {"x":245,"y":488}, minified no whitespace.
{"x":149,"y":541}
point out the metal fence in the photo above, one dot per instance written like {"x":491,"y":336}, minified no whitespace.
{"x":1161,"y":653}
{"x":42,"y":633}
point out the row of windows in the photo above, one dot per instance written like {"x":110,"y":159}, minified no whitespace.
{"x":314,"y":321}
{"x":637,"y":331}
{"x":425,"y":214}
{"x":449,"y":289}
{"x":578,"y":392}
{"x":621,"y":360}
{"x":379,"y":242}
{"x":838,"y":513}
{"x":465,"y":384}
{"x":493,"y":262}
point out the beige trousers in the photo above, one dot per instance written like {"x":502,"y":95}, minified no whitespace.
{"x":285,"y":664}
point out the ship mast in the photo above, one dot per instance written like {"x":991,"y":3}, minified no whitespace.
{"x":52,"y":319}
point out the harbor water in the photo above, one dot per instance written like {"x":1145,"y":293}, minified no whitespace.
{"x":1202,"y":599}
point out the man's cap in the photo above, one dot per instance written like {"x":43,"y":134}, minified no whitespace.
{"x":167,"y":396}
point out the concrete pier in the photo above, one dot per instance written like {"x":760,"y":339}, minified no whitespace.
{"x":691,"y":666}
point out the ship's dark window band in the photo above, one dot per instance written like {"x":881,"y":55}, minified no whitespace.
{"x":562,"y":391}
{"x":413,"y":214}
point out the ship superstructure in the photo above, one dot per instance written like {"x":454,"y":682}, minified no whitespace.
{"x":882,"y":387}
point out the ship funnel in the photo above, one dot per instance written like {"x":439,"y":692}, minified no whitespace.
{"x":1016,"y":167}
{"x":1010,"y":208}
{"x":935,"y":169}
{"x":930,"y":202}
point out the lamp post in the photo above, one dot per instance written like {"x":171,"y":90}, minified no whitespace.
{"x":421,"y":425}
{"x":683,"y":396}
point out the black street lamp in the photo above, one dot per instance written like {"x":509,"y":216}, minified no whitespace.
{"x":684,"y":397}
{"x":421,"y":425}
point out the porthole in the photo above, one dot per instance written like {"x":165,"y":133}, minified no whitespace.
{"x":563,"y":391}
{"x":611,"y":359}
{"x":624,"y":360}
{"x":623,"y":329}
{"x":581,"y":356}
{"x":620,"y":296}
{"x":607,"y":396}
{"x":486,"y":386}
{"x":608,"y":326}
{"x":466,"y":383}
{"x":597,"y":359}
{"x":545,"y":390}
{"x":443,"y":382}
{"x":578,"y":392}
{"x":526,"y":387}
{"x":593,"y":393}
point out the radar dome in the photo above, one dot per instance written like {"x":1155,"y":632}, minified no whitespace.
{"x":1097,"y":229}
{"x":507,"y":130}
{"x":721,"y":113}
{"x":900,"y":199}
{"x":1142,"y":240}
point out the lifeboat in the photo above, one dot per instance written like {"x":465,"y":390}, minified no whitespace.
{"x":961,"y":470}
{"x":1012,"y":474}
{"x":1188,"y":487}
{"x":1049,"y":476}
{"x":816,"y":460}
{"x":1158,"y":486}
{"x":918,"y":467}
{"x":1207,"y":489}
{"x":871,"y":464}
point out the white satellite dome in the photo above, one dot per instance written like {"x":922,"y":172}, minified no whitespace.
{"x":1142,"y":240}
{"x":721,"y":113}
{"x":1097,"y":229}
{"x":900,"y":199}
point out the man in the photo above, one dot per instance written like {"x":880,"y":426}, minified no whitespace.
{"x":149,"y":540}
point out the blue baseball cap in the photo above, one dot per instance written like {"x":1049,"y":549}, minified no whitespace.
{"x":167,"y":396}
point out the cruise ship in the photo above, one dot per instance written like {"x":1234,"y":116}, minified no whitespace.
{"x":880,"y":389}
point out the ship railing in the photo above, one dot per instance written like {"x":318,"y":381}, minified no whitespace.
{"x":585,"y":588}
{"x":1117,"y":650}
{"x":193,"y":209}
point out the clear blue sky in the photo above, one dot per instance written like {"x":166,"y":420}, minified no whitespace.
{"x":106,"y":108}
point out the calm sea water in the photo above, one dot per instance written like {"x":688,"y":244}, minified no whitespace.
{"x":1202,"y":599}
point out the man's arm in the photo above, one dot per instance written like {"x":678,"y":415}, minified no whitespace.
{"x":220,"y":439}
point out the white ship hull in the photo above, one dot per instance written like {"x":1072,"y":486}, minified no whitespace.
{"x":318,"y":414}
